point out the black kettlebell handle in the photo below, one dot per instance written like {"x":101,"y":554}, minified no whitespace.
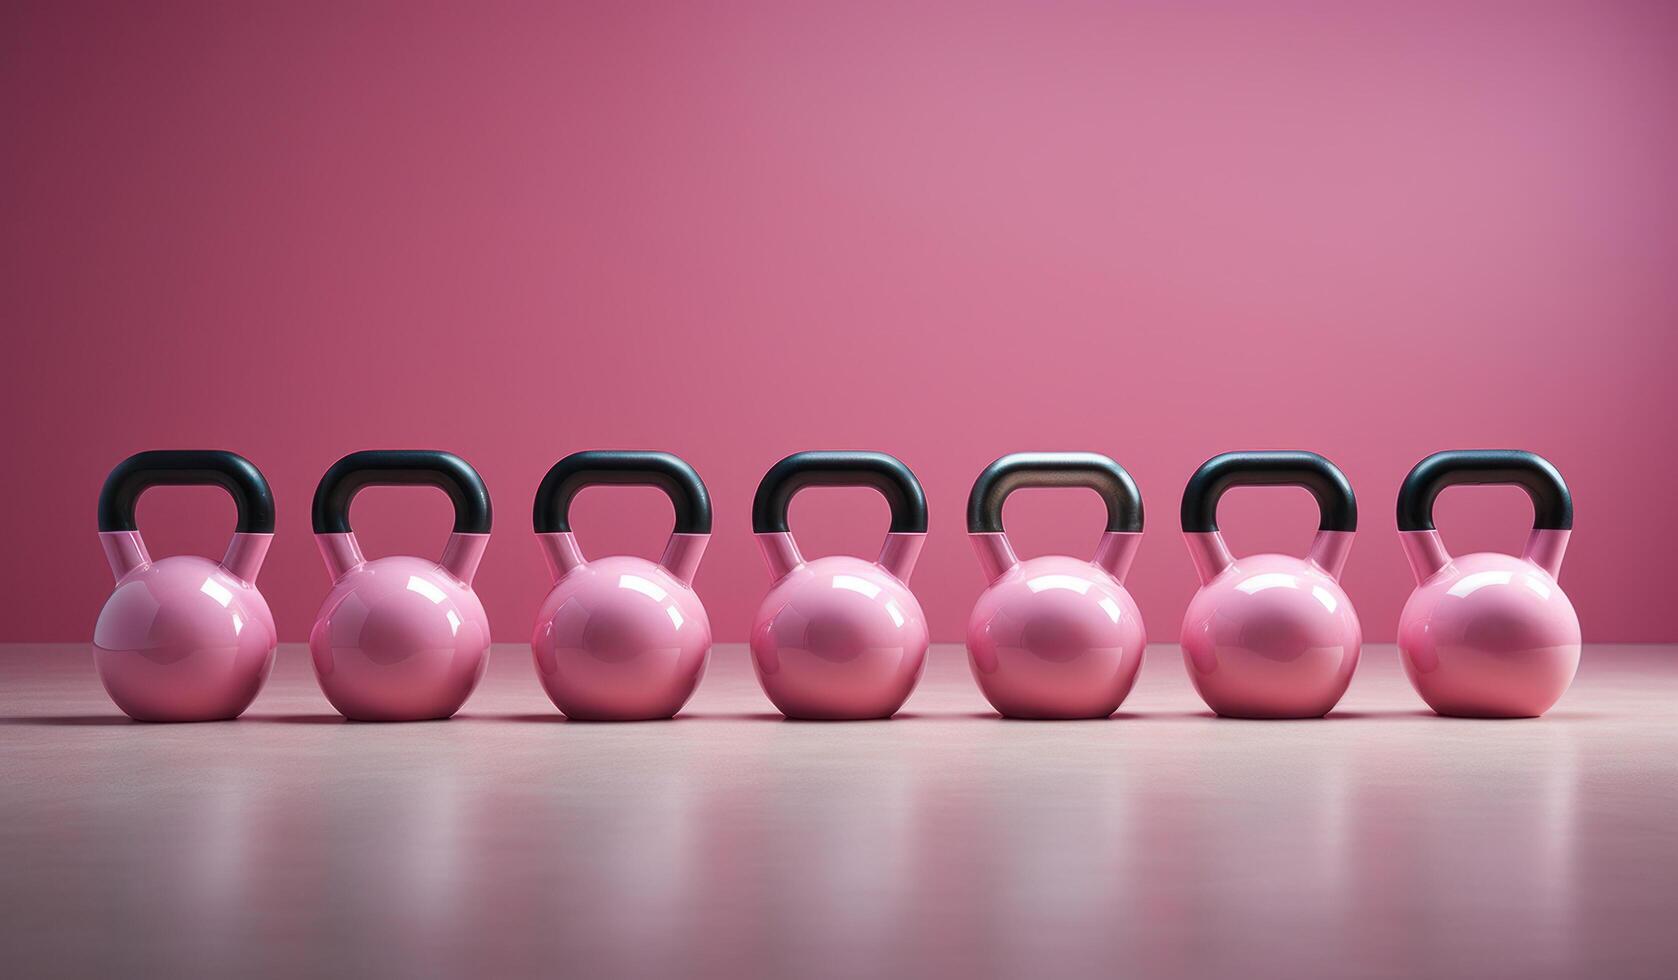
{"x":401,"y":468}
{"x":1552,"y":505}
{"x":187,"y":467}
{"x":611,"y":467}
{"x":1091,"y":470}
{"x":881,"y":471}
{"x":1335,"y":502}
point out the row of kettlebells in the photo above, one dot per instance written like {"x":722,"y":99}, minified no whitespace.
{"x":623,"y":638}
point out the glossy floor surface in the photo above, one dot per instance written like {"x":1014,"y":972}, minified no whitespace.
{"x":1383,"y":841}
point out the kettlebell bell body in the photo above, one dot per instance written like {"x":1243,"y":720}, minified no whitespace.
{"x":1488,"y":635}
{"x":1270,"y":636}
{"x":621,"y":638}
{"x":839,"y":638}
{"x":184,"y":638}
{"x":400,"y":638}
{"x":1055,"y":636}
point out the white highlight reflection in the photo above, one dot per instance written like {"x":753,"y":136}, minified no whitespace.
{"x":216,"y":591}
{"x":645,"y":586}
{"x":852,"y":583}
{"x":1469,"y":584}
{"x":424,"y":588}
{"x":1325,"y":597}
{"x":1071,"y":583}
{"x":1268,"y":580}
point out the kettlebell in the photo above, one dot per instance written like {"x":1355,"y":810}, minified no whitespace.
{"x":621,"y":638}
{"x":1488,"y":635}
{"x":839,"y":638}
{"x":400,"y":638}
{"x":184,"y":638}
{"x":1055,"y":636}
{"x":1270,"y":636}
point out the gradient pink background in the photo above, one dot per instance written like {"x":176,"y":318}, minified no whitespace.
{"x":947,"y":230}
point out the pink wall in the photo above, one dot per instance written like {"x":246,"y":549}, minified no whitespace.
{"x":947,"y":230}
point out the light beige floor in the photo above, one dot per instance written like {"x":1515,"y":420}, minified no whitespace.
{"x":1382,"y":841}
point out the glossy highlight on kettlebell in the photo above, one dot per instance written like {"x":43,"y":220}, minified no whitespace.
{"x":1488,"y":635}
{"x":1270,"y":636}
{"x":184,"y":638}
{"x":839,"y":638}
{"x":621,"y":638}
{"x":400,"y":638}
{"x":1055,"y":636}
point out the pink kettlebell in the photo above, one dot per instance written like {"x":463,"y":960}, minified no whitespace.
{"x":839,"y":638}
{"x":1055,"y":637}
{"x":1270,"y":636}
{"x":1488,"y":635}
{"x":621,"y":638}
{"x":400,"y":638}
{"x":184,"y":638}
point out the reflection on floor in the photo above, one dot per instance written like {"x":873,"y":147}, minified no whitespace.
{"x":1380,"y":841}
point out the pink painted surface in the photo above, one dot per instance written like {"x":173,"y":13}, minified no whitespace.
{"x":839,"y":638}
{"x":1055,"y":636}
{"x":400,"y":638}
{"x":184,"y":638}
{"x":621,"y":638}
{"x":1489,"y":635}
{"x":942,"y":230}
{"x":1271,"y":636}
